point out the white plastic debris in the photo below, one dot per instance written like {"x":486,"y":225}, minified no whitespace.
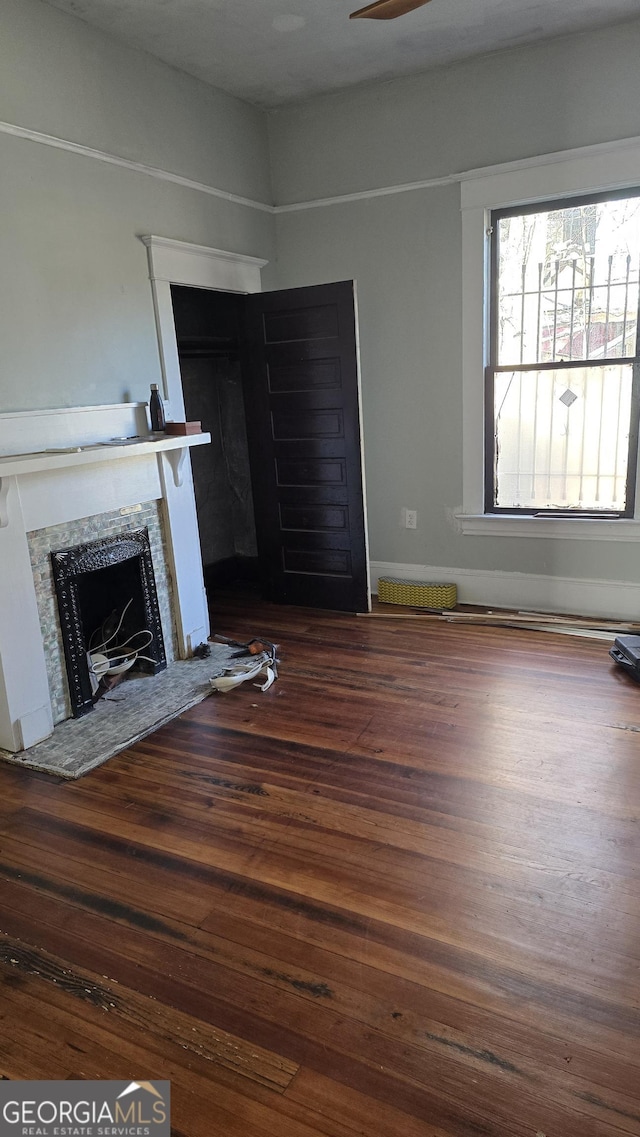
{"x":245,"y":669}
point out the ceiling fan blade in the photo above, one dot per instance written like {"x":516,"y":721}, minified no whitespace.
{"x":386,"y":9}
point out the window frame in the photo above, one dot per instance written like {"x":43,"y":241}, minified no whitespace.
{"x":588,"y":172}
{"x":492,"y":367}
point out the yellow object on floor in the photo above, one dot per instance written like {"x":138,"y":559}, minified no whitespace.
{"x":416,"y":593}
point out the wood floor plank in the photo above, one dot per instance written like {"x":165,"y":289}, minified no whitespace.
{"x":148,"y":1015}
{"x":301,"y":857}
{"x":525,"y":902}
{"x":433,"y":822}
{"x":353,"y":1109}
{"x":447,"y":972}
{"x":407,"y":874}
{"x":411,"y":956}
{"x":331,"y":1028}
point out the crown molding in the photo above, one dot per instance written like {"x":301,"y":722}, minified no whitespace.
{"x":57,"y":143}
{"x":365,"y":195}
{"x":127,"y":164}
{"x":603,"y":150}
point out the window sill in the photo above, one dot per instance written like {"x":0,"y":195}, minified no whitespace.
{"x":564,"y":528}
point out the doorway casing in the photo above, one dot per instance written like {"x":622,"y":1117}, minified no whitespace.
{"x":177,"y":262}
{"x":197,"y":266}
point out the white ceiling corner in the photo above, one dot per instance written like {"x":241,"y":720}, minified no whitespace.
{"x":271,"y":52}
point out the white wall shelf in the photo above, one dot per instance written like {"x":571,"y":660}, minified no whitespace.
{"x":56,"y":459}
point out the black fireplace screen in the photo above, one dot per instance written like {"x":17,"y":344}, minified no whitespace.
{"x":108,"y":608}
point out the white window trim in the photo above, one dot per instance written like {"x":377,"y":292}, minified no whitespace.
{"x":591,"y":169}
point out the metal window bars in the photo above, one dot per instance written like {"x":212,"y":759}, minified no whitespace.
{"x":562,"y":380}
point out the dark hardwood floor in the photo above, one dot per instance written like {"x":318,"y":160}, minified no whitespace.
{"x":397,"y":895}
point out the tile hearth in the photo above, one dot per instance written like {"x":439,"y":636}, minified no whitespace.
{"x":132,"y":710}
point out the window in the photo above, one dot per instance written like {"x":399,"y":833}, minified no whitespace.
{"x":562,"y":379}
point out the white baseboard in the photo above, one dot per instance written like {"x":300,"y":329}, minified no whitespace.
{"x":615,"y":599}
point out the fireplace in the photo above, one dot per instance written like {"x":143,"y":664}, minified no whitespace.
{"x":86,"y":473}
{"x":106,"y":592}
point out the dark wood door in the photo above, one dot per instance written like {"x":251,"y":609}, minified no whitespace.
{"x":300,"y":378}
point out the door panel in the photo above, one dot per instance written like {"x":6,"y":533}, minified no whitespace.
{"x":300,"y":377}
{"x":298,"y":324}
{"x":310,"y":472}
{"x":315,"y":518}
{"x":307,"y":375}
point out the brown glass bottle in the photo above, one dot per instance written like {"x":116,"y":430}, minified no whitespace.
{"x":156,"y":410}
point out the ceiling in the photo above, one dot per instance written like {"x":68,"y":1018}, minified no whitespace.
{"x":271,"y":52}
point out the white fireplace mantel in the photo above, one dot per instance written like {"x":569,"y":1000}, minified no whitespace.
{"x":63,"y":465}
{"x":41,"y":461}
{"x":96,"y":452}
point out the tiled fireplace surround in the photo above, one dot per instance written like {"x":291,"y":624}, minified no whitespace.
{"x":61,"y":486}
{"x":43,"y":542}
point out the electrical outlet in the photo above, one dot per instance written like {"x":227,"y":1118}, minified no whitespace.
{"x":411,"y":518}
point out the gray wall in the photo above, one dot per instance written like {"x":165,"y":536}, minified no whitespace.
{"x":76,"y":320}
{"x":76,"y":317}
{"x":405,"y":253}
{"x":571,"y":91}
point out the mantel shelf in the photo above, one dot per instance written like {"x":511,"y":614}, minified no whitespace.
{"x":43,"y":460}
